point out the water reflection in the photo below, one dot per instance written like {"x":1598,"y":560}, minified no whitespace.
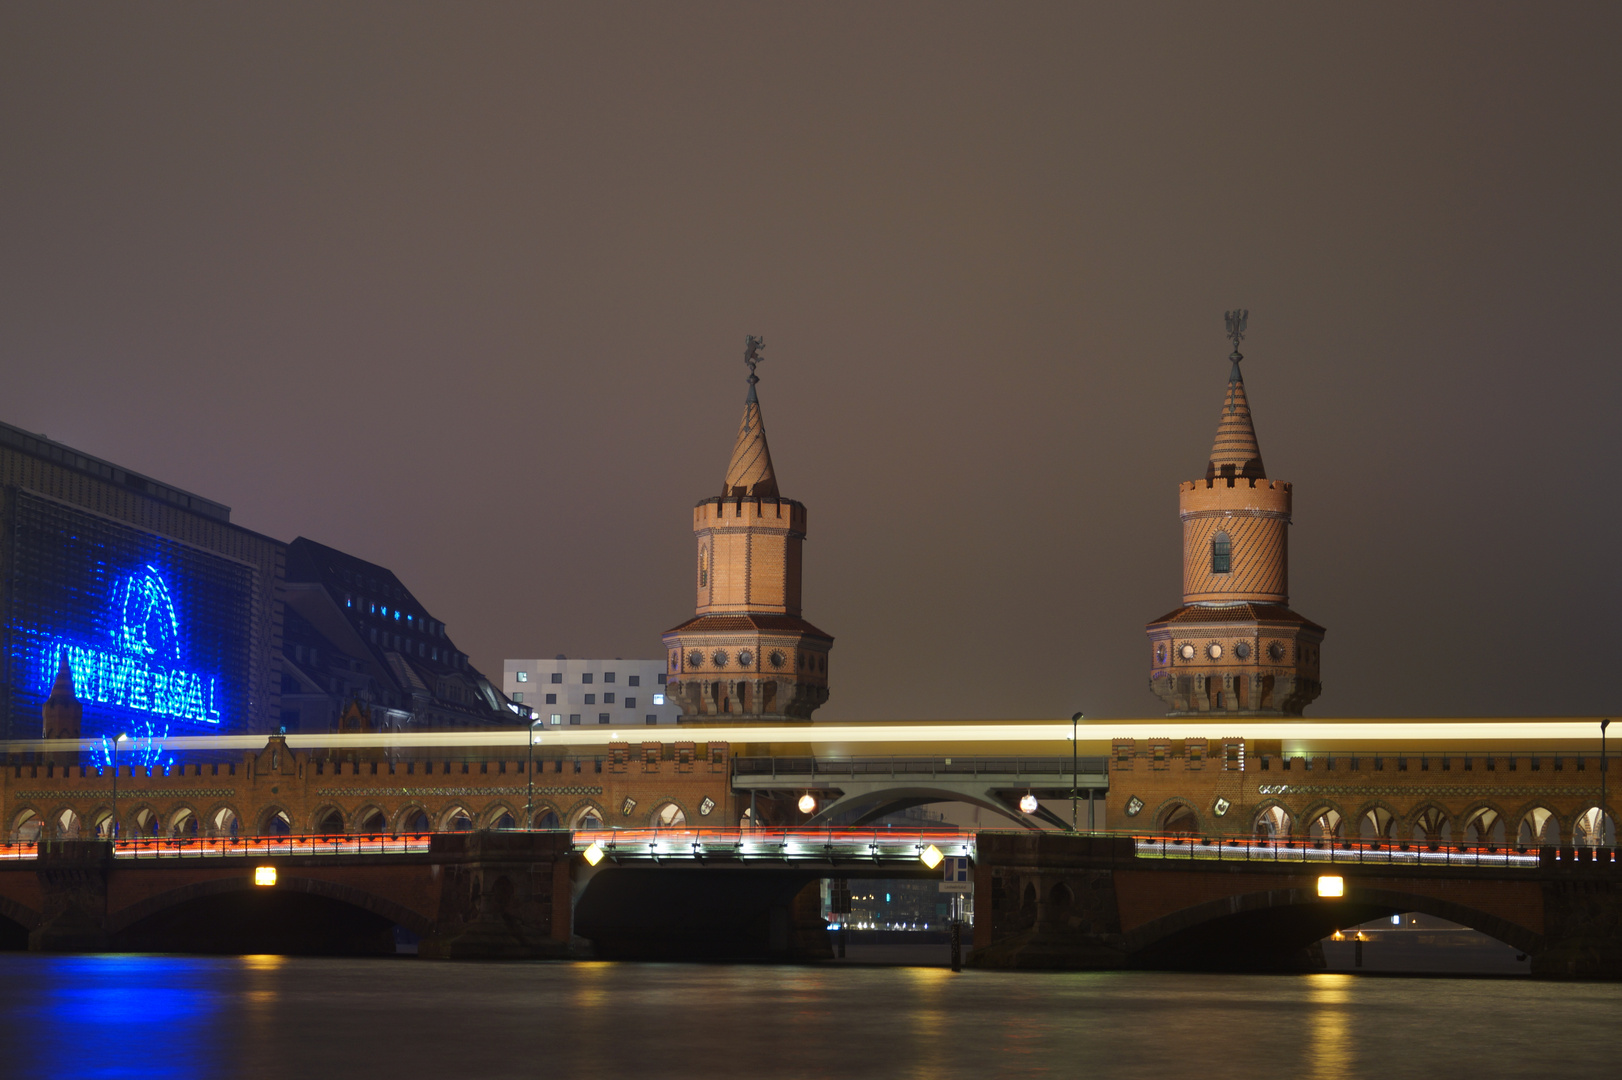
{"x":111,"y":1016}
{"x":1330,"y":1055}
{"x":273,"y":1018}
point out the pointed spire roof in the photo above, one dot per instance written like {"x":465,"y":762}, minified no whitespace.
{"x":750,"y":470}
{"x":1235,"y":451}
{"x":62,"y":690}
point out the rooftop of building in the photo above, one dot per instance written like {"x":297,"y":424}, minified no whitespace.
{"x":66,"y":456}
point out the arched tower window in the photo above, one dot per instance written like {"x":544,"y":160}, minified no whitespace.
{"x":703,"y":567}
{"x":1221,"y":554}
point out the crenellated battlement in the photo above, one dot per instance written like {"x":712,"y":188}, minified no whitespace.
{"x":749,"y":511}
{"x":1234,"y":493}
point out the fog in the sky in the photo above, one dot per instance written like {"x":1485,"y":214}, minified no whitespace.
{"x":462,"y":289}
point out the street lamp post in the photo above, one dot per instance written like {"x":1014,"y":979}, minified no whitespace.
{"x":1074,"y":771}
{"x":1603,"y":724}
{"x":112,"y":831}
{"x":529,"y":800}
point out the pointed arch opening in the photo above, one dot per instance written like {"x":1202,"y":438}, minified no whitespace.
{"x":1273,"y":823}
{"x":1538,"y":828}
{"x":1594,"y":828}
{"x":1375,"y":824}
{"x":1326,"y":825}
{"x":1484,"y":826}
{"x":669,"y":816}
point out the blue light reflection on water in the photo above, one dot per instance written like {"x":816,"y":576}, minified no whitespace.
{"x":153,"y":1017}
{"x":394,"y":1019}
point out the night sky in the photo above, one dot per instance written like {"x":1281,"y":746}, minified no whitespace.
{"x":463,"y":289}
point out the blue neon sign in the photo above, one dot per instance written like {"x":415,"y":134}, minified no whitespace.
{"x":142,"y":671}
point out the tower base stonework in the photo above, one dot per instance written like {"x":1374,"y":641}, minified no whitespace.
{"x":1235,"y":660}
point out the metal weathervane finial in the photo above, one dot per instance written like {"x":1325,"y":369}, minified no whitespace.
{"x":751,"y":356}
{"x":1236,"y":320}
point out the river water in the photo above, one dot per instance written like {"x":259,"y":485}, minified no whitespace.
{"x":181,"y":1017}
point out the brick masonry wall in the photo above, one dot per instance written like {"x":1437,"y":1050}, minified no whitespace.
{"x":1160,"y":779}
{"x":626,"y":786}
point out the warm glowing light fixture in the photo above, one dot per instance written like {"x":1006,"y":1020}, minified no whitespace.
{"x":931,"y":856}
{"x":1331,"y":885}
{"x":264,"y":875}
{"x":807,"y":803}
{"x":594,"y":854}
{"x":1027,"y":803}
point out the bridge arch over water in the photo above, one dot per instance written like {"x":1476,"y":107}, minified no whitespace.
{"x":1273,"y":928}
{"x":303,"y":914}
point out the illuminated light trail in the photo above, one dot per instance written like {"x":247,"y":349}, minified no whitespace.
{"x":1389,"y":853}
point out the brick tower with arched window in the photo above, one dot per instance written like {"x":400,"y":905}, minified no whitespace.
{"x":747,"y":654}
{"x":1235,"y":647}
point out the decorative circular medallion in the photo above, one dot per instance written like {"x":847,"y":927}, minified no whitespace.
{"x":1214,"y":651}
{"x":745,"y":657}
{"x":777,"y":658}
{"x":1188,"y":652}
{"x":719,"y":658}
{"x":1275,"y":651}
{"x":695,"y":659}
{"x":1241,"y":649}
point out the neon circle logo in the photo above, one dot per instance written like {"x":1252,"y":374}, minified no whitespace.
{"x":147,"y":625}
{"x":143,"y":670}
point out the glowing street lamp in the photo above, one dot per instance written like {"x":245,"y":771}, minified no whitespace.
{"x":931,"y":856}
{"x":1331,"y":885}
{"x":1075,"y":770}
{"x":1027,"y":803}
{"x":594,"y":854}
{"x":264,"y":875}
{"x":112,"y":831}
{"x":808,"y":804}
{"x":529,"y":800}
{"x":1603,"y":724}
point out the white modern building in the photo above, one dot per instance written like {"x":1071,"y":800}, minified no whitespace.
{"x":565,"y":692}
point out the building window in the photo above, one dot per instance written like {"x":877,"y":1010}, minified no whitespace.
{"x":634,"y":680}
{"x":703,"y":567}
{"x":551,"y":699}
{"x":574,"y":718}
{"x":518,"y":697}
{"x":630,"y":703}
{"x":608,"y":699}
{"x":658,"y":699}
{"x":557,"y":676}
{"x":591,"y":699}
{"x":557,"y":718}
{"x":661,"y":679}
{"x":1221,"y":554}
{"x":522,"y":676}
{"x":652,"y":719}
{"x":602,"y":718}
{"x":586,"y":678}
{"x":608,"y":676}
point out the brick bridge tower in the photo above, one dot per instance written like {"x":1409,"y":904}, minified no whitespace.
{"x":1235,"y":647}
{"x":747,"y":654}
{"x":62,"y":711}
